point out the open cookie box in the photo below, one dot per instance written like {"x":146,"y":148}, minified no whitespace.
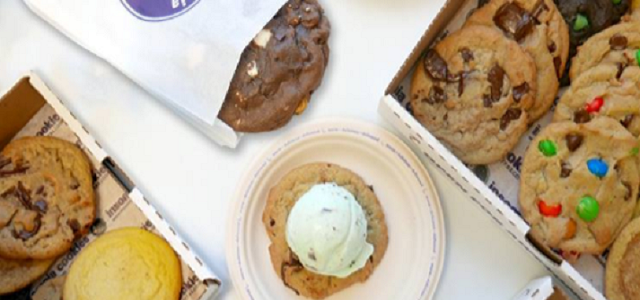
{"x":31,"y":109}
{"x":493,"y":187}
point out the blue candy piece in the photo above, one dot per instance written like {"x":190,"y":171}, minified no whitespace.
{"x":598,"y":167}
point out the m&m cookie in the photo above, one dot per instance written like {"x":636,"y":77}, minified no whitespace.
{"x":579,"y":184}
{"x":604,"y":91}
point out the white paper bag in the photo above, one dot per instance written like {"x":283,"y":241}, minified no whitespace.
{"x":184,"y":52}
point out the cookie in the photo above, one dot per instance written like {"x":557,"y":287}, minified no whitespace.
{"x":281,"y":200}
{"x":635,"y":10}
{"x":622,"y":274}
{"x":46,"y":197}
{"x":579,"y":184}
{"x":51,"y":289}
{"x":279,"y":70}
{"x":606,"y":90}
{"x":111,"y":265}
{"x":539,"y":28}
{"x":588,"y":17}
{"x":17,"y":274}
{"x":617,"y":45}
{"x":472,"y":91}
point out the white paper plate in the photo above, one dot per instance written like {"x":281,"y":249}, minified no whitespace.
{"x":414,"y":259}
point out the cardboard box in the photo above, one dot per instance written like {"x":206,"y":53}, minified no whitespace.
{"x":31,"y":109}
{"x":498,"y":199}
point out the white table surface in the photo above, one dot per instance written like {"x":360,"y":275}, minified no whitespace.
{"x":191,"y":180}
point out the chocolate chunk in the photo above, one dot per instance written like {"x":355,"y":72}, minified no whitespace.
{"x":312,"y":255}
{"x":40,"y":190}
{"x":538,"y":9}
{"x":581,"y":116}
{"x":557,"y":63}
{"x":626,"y":121}
{"x":510,"y":115}
{"x":436,"y":95}
{"x":41,"y":206}
{"x":467,"y":54}
{"x":621,"y":68}
{"x":75,"y":185}
{"x":24,"y":234}
{"x":618,"y":42}
{"x":514,"y":21}
{"x":435,"y":66}
{"x":552,"y":47}
{"x":74,"y":225}
{"x":627,"y":195}
{"x":565,"y":170}
{"x":496,"y":79}
{"x":486,"y":99}
{"x":15,"y":171}
{"x":461,"y":77}
{"x":272,"y":222}
{"x":520,"y":91}
{"x":23,"y":195}
{"x":574,"y":140}
{"x":9,"y":191}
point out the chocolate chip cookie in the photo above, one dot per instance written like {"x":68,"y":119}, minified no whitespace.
{"x":473,"y":90}
{"x":622,"y":275}
{"x":279,"y":70}
{"x":15,"y":275}
{"x":607,"y":90}
{"x":617,"y":45}
{"x":579,"y":184}
{"x":46,"y":197}
{"x":281,"y":200}
{"x":588,"y":17}
{"x":539,"y":28}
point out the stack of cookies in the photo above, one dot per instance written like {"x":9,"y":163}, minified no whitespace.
{"x":480,"y":87}
{"x":47,"y":201}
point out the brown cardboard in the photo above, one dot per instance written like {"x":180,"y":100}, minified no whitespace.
{"x":25,"y":111}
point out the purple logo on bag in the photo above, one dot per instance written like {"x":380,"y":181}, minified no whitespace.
{"x":158,"y":10}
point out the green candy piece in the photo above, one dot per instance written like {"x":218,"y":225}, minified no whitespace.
{"x":588,"y":208}
{"x":616,"y":2}
{"x":635,"y":151}
{"x":638,"y":57}
{"x":547,"y":147}
{"x":580,"y":23}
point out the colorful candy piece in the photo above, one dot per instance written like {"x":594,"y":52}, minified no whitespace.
{"x":616,"y":2}
{"x":588,"y":208}
{"x":598,"y":167}
{"x":580,"y":23}
{"x":549,"y":210}
{"x":595,"y":105}
{"x":548,"y":148}
{"x":638,"y":57}
{"x":635,"y":151}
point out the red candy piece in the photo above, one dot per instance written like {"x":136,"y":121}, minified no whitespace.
{"x":595,"y":105}
{"x":549,"y":210}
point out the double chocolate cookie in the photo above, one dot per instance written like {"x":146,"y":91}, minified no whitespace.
{"x":618,"y":45}
{"x":279,"y":70}
{"x":284,"y":195}
{"x":588,"y":17}
{"x":579,"y":184}
{"x":46,"y":197}
{"x":539,"y":28}
{"x":473,"y":90}
{"x":606,"y":90}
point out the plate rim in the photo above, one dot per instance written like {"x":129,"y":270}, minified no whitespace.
{"x":254,"y":165}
